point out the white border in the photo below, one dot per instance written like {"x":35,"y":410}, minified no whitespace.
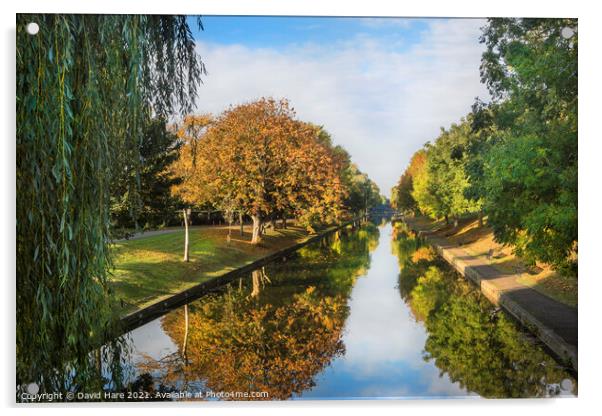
{"x":589,"y":195}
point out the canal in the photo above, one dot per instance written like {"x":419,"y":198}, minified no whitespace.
{"x":365,"y":313}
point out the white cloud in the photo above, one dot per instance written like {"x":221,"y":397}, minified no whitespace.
{"x":379,"y":97}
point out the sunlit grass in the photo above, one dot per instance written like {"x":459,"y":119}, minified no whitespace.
{"x":150,"y":269}
{"x":479,"y":241}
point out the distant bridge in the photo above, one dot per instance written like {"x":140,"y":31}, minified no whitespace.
{"x":382,"y":211}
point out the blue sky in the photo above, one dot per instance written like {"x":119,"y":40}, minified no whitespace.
{"x":381,"y":86}
{"x":282,"y":32}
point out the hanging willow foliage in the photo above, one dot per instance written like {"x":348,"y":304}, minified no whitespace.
{"x":86,"y":87}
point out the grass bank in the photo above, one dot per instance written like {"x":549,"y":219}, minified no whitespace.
{"x":478,"y":241}
{"x":150,"y":269}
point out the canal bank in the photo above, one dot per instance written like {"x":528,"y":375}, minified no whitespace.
{"x":554,"y":323}
{"x":155,"y":310}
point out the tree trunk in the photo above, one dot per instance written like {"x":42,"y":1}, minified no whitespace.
{"x":185,"y":342}
{"x":186,"y":213}
{"x":260,"y":278}
{"x":455,"y":222}
{"x":255,"y":277}
{"x":447,"y":220}
{"x":284,"y":221}
{"x":240,"y":223}
{"x":257,"y":225}
{"x":481,"y":218}
{"x":98,"y":355}
{"x":229,"y":238}
{"x":269,"y":224}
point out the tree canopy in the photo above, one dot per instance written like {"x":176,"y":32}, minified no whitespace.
{"x":260,"y":159}
{"x":530,"y":174}
{"x":436,"y":180}
{"x":514,"y":158}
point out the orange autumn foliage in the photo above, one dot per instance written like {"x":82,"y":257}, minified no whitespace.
{"x":258,"y":158}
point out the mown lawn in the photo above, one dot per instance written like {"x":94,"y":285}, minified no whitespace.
{"x":149,"y":269}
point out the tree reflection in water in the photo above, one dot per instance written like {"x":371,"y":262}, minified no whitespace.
{"x":270,"y":332}
{"x":482,"y":349}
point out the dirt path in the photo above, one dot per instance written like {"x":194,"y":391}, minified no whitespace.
{"x":169,"y":230}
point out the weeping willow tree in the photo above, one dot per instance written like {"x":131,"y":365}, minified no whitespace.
{"x":87,"y":85}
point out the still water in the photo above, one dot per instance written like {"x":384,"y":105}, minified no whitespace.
{"x":366,"y":313}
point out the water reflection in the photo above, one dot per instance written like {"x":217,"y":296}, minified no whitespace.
{"x":468,"y":339}
{"x":271,"y":332}
{"x":329,"y":322}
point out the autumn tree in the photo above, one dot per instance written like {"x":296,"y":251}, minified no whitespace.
{"x":423,"y":192}
{"x":360,"y":192}
{"x":191,"y":189}
{"x":259,"y":158}
{"x":401,"y":194}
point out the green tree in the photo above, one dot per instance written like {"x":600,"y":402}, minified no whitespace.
{"x":362,"y":192}
{"x":86,"y":86}
{"x":155,"y":205}
{"x":439,"y":186}
{"x":529,"y":173}
{"x":447,"y":159}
